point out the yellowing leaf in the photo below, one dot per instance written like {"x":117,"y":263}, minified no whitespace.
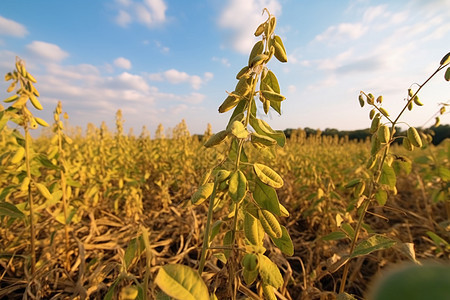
{"x":238,"y":130}
{"x":268,"y":176}
{"x":237,"y":187}
{"x":203,"y":193}
{"x":181,"y":282}
{"x":44,"y":191}
{"x":269,"y":271}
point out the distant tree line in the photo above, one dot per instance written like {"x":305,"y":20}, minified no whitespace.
{"x":439,"y":133}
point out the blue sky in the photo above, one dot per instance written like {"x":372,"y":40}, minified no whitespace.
{"x":162,"y":61}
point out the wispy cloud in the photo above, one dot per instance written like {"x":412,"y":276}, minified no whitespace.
{"x":147,"y":12}
{"x":12,"y":28}
{"x":47,"y":51}
{"x":240,"y":19}
{"x":91,"y":95}
{"x":341,"y":33}
{"x":176,"y":77}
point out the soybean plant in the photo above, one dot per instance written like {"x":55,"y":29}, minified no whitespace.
{"x":247,"y":189}
{"x":18,"y":112}
{"x":382,"y":168}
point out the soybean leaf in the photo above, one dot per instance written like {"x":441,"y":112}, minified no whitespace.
{"x":237,"y":186}
{"x":232,"y":155}
{"x":47,"y":163}
{"x":263,"y":128}
{"x":373,"y":243}
{"x":381,"y":197}
{"x":271,"y":80}
{"x":10,"y":210}
{"x":388,"y":176}
{"x":130,"y":253}
{"x":268,"y":176}
{"x":335,"y":235}
{"x":266,"y":197}
{"x":284,"y":243}
{"x":181,"y":282}
{"x":269,"y":271}
{"x":348,"y":229}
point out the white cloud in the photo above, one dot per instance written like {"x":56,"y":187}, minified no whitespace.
{"x":242,"y":18}
{"x":12,"y":28}
{"x":158,"y":9}
{"x":374,"y":12}
{"x":341,"y":33}
{"x":47,"y":51}
{"x":147,"y":12}
{"x":123,"y":18}
{"x":123,"y":63}
{"x":127,"y":81}
{"x":176,"y":77}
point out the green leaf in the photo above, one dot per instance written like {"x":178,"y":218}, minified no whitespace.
{"x":276,"y":106}
{"x":10,"y":210}
{"x":249,"y":276}
{"x":240,"y":108}
{"x":162,"y":296}
{"x":232,"y":155}
{"x":130,"y":253}
{"x":181,"y":282}
{"x":444,"y":173}
{"x":215,"y":229}
{"x":269,"y":271}
{"x":216,"y":139}
{"x":413,"y":282}
{"x":388,"y":176}
{"x":110,"y":294}
{"x":402,"y":164}
{"x":447,"y":74}
{"x":348,"y":229}
{"x":284,"y":243}
{"x":263,"y":128}
{"x":374,"y":243}
{"x":381,"y":197}
{"x":271,"y":81}
{"x":47,"y":163}
{"x":423,"y":160}
{"x":272,"y":96}
{"x":268,"y":176}
{"x":335,"y":235}
{"x":266,"y":197}
{"x":438,"y":241}
{"x":237,"y":187}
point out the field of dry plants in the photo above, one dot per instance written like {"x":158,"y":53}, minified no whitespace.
{"x":100,"y":214}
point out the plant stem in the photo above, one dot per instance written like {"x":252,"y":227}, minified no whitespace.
{"x":205,"y":245}
{"x":30,"y":199}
